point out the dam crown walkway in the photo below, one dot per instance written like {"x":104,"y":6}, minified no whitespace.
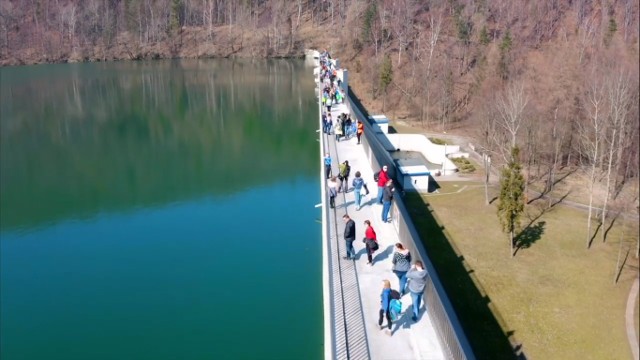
{"x":355,"y":287}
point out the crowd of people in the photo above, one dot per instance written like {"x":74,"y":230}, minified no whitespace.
{"x":411,"y":277}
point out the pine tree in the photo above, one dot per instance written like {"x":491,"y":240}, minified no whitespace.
{"x":611,"y":30}
{"x":367,"y":22}
{"x":174,"y":20}
{"x":504,"y":62}
{"x":386,"y":77}
{"x":484,"y":36}
{"x":511,"y":200}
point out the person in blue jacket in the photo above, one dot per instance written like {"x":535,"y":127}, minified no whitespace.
{"x":385,"y":299}
{"x":327,"y":165}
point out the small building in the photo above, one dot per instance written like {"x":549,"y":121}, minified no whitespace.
{"x":415,"y":177}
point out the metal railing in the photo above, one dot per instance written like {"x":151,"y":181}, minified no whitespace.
{"x":443,"y":318}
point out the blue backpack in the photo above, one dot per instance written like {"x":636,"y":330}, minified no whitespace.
{"x":395,"y":308}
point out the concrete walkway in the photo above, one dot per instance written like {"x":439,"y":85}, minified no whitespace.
{"x":409,"y":340}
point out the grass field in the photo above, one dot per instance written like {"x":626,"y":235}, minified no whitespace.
{"x":555,"y":298}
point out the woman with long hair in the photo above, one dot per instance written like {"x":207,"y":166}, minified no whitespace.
{"x":401,"y":264}
{"x":385,"y":299}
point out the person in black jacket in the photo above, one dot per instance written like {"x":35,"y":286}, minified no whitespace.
{"x":387,"y":197}
{"x":349,"y":236}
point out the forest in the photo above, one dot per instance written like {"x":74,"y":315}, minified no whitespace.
{"x":557,"y":78}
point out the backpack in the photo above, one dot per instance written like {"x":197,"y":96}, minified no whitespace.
{"x":395,"y":308}
{"x":376,"y":176}
{"x":358,"y":183}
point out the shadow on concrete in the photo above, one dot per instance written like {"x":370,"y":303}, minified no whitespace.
{"x":379,"y":256}
{"x":487,"y":337}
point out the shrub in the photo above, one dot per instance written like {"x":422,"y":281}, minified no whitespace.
{"x":464,"y":165}
{"x":438,"y":141}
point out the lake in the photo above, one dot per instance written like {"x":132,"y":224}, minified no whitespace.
{"x":160,"y":210}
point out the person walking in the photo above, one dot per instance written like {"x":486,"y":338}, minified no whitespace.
{"x":383,"y":177}
{"x":359,"y":131}
{"x":332,"y":186}
{"x":385,"y":299}
{"x":401,"y":264}
{"x":359,"y":186}
{"x":370,"y":241}
{"x":387,"y":197}
{"x":345,"y":170}
{"x":324,"y":122}
{"x":338,"y":129}
{"x":344,"y":126}
{"x":417,"y":279}
{"x":349,"y":236}
{"x":347,"y":125}
{"x":329,"y":124}
{"x":327,"y":165}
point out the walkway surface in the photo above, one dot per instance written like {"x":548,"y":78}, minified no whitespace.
{"x":358,"y":293}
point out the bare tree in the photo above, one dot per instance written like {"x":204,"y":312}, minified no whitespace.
{"x":435,"y":24}
{"x":557,"y":139}
{"x":586,"y":34}
{"x":618,"y":96}
{"x":591,"y":132}
{"x":511,"y":108}
{"x":403,"y":13}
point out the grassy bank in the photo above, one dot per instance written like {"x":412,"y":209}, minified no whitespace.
{"x":556,"y":298}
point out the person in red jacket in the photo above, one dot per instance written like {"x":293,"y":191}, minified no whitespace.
{"x":370,"y":241}
{"x":383,"y":177}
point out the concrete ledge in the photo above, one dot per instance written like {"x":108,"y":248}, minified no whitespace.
{"x":436,"y":154}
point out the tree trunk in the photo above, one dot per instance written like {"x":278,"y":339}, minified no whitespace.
{"x":608,"y":187}
{"x":487,"y":170}
{"x":592,"y":180}
{"x":511,"y":242}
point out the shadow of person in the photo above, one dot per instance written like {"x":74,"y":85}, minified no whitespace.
{"x":361,"y":252}
{"x":345,"y":204}
{"x":384,"y":254}
{"x":402,"y":322}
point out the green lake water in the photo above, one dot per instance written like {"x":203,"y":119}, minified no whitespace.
{"x":160,"y":210}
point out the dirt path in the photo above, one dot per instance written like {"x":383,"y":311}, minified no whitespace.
{"x":630,"y":320}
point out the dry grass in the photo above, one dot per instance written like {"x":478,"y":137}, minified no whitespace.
{"x":556,"y":296}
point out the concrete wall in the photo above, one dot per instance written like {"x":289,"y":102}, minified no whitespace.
{"x":436,"y":154}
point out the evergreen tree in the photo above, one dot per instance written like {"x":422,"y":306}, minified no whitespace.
{"x":367,"y":22}
{"x":176,"y":10}
{"x":611,"y":30}
{"x":464,"y":30}
{"x":484,"y":36}
{"x":504,"y":62}
{"x":511,"y":200}
{"x":386,"y":76}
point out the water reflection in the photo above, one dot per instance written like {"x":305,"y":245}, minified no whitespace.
{"x":86,"y":138}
